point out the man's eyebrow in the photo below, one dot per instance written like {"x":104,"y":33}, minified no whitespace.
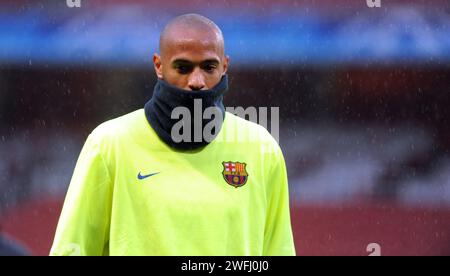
{"x":181,"y":61}
{"x":185,"y":61}
{"x":212,"y":60}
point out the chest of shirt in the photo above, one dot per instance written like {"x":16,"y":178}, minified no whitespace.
{"x":222,"y":183}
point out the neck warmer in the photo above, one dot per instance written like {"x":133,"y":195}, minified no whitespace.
{"x":159,"y":112}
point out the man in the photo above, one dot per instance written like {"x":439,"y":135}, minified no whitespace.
{"x":138,"y":190}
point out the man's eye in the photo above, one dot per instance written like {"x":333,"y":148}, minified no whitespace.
{"x":183,"y":69}
{"x":209,"y":68}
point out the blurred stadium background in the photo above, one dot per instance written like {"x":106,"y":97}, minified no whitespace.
{"x":363,"y":96}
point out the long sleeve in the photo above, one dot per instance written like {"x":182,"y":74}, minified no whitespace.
{"x":83,"y":227}
{"x":278,"y":239}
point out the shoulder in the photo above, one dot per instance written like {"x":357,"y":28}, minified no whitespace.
{"x":117,"y":128}
{"x":119,"y":125}
{"x":242,"y":130}
{"x":245,"y":126}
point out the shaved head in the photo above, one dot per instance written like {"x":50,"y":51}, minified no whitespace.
{"x":191,"y":53}
{"x":190,"y":26}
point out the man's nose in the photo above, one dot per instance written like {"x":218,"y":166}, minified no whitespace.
{"x":196,"y":80}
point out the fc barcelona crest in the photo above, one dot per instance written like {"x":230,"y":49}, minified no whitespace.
{"x":235,"y":173}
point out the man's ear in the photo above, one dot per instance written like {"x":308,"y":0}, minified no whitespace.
{"x":157,"y":65}
{"x":226,"y":61}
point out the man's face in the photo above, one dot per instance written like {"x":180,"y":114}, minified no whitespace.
{"x":191,"y":60}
